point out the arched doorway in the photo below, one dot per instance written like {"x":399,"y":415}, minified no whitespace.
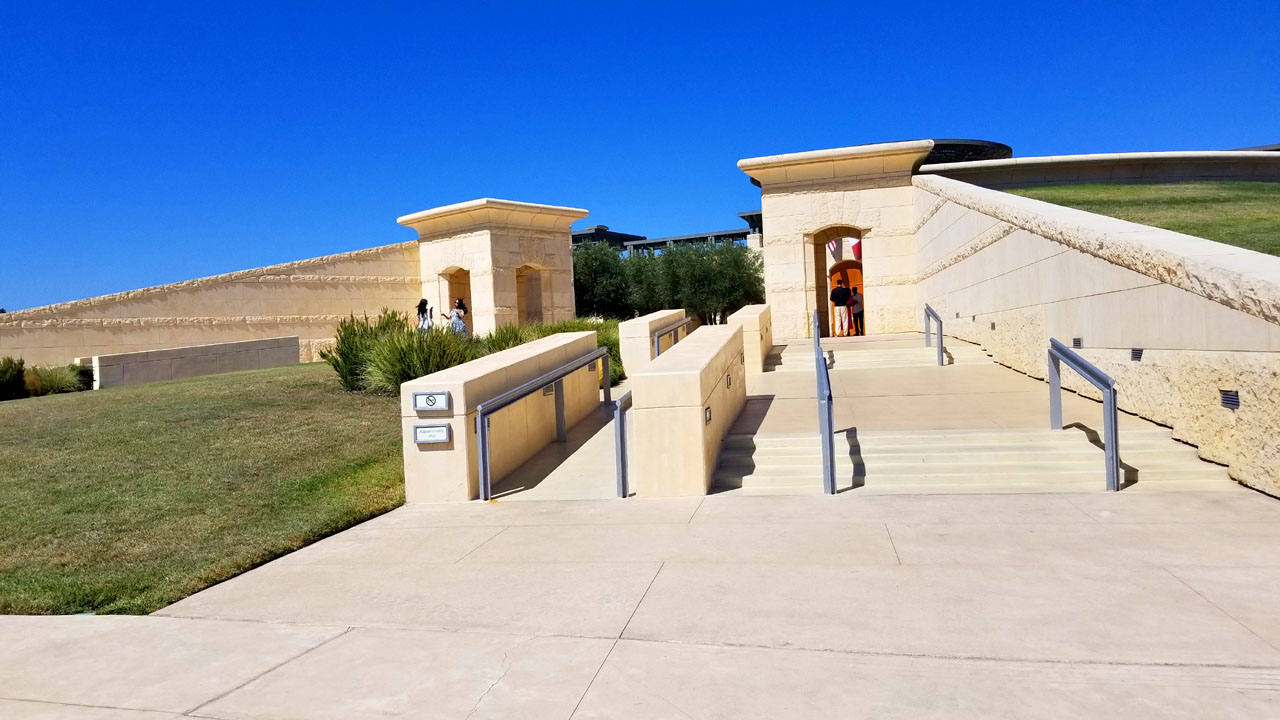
{"x":850,"y":271}
{"x":455,"y":282}
{"x":831,"y":248}
{"x":528,"y":294}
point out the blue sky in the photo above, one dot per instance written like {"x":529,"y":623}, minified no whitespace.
{"x":150,"y":143}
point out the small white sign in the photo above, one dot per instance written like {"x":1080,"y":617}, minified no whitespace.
{"x":433,"y":400}
{"x":428,"y":434}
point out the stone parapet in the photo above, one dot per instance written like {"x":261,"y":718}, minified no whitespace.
{"x":635,"y":337}
{"x":685,"y":401}
{"x":757,"y":335}
{"x":448,"y":471}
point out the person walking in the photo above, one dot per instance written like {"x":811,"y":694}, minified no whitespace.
{"x":855,"y":309}
{"x":840,"y":299}
{"x":426,"y":314}
{"x":459,"y":311}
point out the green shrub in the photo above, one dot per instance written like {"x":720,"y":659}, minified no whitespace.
{"x":406,"y":353}
{"x":50,"y":380}
{"x":85,"y":372}
{"x":507,"y":336}
{"x":354,"y":340}
{"x":606,"y":337}
{"x":13,"y":383}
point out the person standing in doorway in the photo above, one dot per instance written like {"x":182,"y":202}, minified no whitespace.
{"x":855,"y":310}
{"x":840,"y":299}
{"x":459,"y":311}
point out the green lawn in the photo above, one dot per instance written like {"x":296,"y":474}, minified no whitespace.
{"x":126,"y":500}
{"x":1245,"y":214}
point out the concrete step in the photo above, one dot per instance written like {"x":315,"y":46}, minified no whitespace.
{"x":870,"y":441}
{"x":1207,"y":473}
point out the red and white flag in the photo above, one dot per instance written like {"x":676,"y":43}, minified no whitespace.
{"x":855,"y":244}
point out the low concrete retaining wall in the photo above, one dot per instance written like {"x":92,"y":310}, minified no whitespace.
{"x":757,"y":335}
{"x":448,"y":470}
{"x":685,"y":401}
{"x":1009,"y":272}
{"x":148,"y":366}
{"x":1114,"y":168}
{"x":635,"y":339}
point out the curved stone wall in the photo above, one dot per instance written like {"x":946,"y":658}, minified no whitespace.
{"x":305,"y":298}
{"x":1009,"y":272}
{"x":1113,"y":168}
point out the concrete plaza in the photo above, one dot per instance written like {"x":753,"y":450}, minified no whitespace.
{"x":1154,"y":602}
{"x":991,"y":606}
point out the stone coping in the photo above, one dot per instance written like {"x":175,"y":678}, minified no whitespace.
{"x":1240,"y":279}
{"x":857,"y":161}
{"x":751,"y":317}
{"x":267,"y":273}
{"x":1101,"y":158}
{"x":686,"y":375}
{"x":485,"y":378}
{"x":645,"y":325}
{"x":490,"y":211}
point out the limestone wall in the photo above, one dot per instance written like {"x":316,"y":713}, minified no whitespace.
{"x":757,"y":335}
{"x":635,"y":337}
{"x":685,"y":401}
{"x":304,"y":298}
{"x":1009,"y":272}
{"x":449,"y":471}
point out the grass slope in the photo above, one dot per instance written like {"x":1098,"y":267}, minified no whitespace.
{"x":1245,"y":214}
{"x":126,"y":500}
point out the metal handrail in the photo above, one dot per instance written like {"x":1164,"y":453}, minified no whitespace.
{"x":673,"y":329}
{"x":620,"y":407}
{"x":931,"y":313}
{"x":826,"y":431}
{"x":555,"y":378}
{"x":1059,"y":353}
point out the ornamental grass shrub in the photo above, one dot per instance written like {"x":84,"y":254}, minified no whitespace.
{"x":354,"y":340}
{"x":406,"y":353}
{"x":13,"y":383}
{"x":52,"y":379}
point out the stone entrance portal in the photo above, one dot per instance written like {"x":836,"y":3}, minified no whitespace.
{"x":511,"y":262}
{"x":810,"y":198}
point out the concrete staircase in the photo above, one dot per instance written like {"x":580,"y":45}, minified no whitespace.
{"x":962,"y":461}
{"x":799,"y":357}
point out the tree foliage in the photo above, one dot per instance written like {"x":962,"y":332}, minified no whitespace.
{"x":708,"y":281}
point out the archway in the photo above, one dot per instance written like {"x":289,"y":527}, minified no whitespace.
{"x":528,"y":294}
{"x":830,"y":247}
{"x":455,"y":282}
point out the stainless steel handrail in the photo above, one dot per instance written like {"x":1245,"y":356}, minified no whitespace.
{"x":1059,"y":353}
{"x":674,"y":330}
{"x":825,"y":423}
{"x":931,"y":313}
{"x":620,"y":407}
{"x":554,"y":378}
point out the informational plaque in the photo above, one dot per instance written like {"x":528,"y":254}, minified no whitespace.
{"x":431,"y":400}
{"x":430,"y":434}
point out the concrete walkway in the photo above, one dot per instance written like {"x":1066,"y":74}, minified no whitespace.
{"x":984,"y":606}
{"x":1133,"y":604}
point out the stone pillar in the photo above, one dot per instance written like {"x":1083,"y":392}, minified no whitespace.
{"x":808,"y":197}
{"x":491,"y":240}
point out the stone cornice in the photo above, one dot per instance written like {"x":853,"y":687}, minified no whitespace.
{"x":1241,"y":279}
{"x":269,"y":272}
{"x":856,"y":162}
{"x":486,"y":212}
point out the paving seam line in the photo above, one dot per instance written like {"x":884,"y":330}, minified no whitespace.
{"x":268,"y":671}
